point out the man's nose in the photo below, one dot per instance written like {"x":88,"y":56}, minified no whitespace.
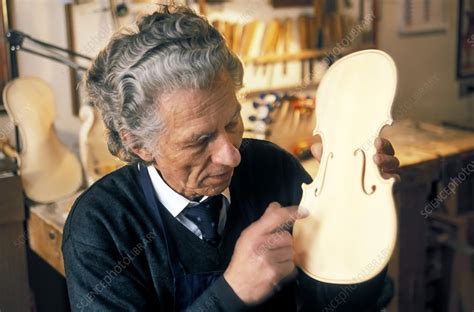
{"x":224,"y":152}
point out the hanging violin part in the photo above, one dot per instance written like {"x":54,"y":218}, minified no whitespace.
{"x":351,"y":229}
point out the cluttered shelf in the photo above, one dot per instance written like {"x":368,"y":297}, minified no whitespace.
{"x":290,"y":50}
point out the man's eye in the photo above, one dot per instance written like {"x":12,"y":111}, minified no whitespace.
{"x":202,"y":140}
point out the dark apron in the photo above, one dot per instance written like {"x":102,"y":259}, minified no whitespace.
{"x":186,"y":287}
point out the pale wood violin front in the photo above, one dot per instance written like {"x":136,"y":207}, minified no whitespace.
{"x":351,"y":229}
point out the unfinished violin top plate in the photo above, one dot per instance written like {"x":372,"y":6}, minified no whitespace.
{"x":351,"y":229}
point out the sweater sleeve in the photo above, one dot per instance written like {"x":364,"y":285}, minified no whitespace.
{"x":219,"y":297}
{"x":100,"y":280}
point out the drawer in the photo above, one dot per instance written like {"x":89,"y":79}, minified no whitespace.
{"x":45,"y":239}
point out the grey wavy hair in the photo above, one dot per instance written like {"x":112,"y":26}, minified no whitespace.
{"x":170,"y":49}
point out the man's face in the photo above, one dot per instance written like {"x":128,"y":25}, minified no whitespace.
{"x":200,"y":147}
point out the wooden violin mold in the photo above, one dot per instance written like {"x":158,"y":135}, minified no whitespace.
{"x":49,"y":170}
{"x":350,"y":232}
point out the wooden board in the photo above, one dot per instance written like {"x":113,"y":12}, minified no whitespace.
{"x":429,"y":138}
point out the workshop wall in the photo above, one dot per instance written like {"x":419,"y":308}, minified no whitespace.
{"x":427,"y":89}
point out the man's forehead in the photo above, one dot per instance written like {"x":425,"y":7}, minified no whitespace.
{"x":194,"y":103}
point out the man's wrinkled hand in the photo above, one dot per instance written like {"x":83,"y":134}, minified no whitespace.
{"x":263,"y":257}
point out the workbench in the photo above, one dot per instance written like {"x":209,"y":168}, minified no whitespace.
{"x":430,"y":156}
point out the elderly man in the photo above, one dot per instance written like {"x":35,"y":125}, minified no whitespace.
{"x":187,"y":224}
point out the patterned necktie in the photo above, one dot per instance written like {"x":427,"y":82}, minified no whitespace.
{"x":206,"y":217}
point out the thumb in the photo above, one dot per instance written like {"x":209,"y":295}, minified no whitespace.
{"x":317,"y":151}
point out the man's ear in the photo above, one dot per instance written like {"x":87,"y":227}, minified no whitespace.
{"x":129,"y":142}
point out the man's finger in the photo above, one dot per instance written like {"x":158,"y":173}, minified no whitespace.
{"x":277,"y":218}
{"x":386,"y":163}
{"x":281,"y":254}
{"x":391,"y":175}
{"x":277,"y":240}
{"x":384,"y":146}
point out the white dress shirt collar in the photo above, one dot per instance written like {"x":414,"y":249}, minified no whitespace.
{"x":173,"y":201}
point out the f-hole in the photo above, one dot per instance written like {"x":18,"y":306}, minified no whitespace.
{"x":373,"y":187}
{"x":317,"y":191}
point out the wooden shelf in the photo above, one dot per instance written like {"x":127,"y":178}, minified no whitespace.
{"x":295,"y":88}
{"x":300,"y":56}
